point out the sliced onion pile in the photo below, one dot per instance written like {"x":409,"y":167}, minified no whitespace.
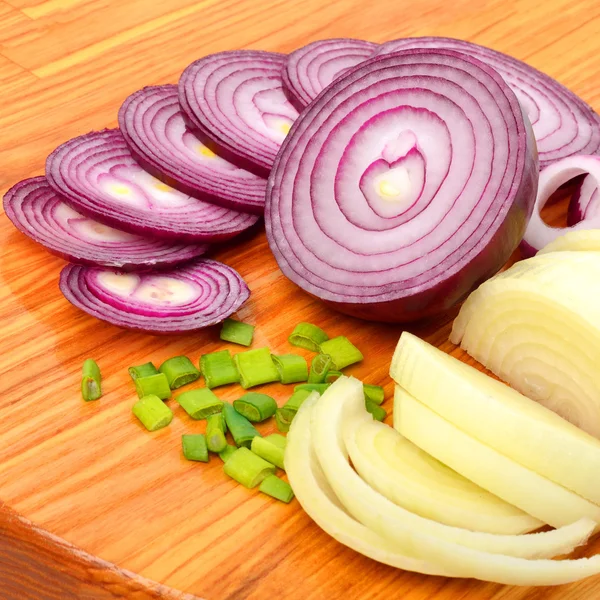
{"x":37,"y":211}
{"x":563,"y":124}
{"x":372,"y":207}
{"x":155,"y":131}
{"x":98,"y":176}
{"x":585,"y":203}
{"x":310,"y":69}
{"x":184,"y":299}
{"x":237,"y":100}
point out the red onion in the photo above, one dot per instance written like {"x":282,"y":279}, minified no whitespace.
{"x":184,"y":299}
{"x":585,"y":203}
{"x":155,"y":131}
{"x":406,"y":183}
{"x":98,"y":176}
{"x":313,"y":67}
{"x":563,"y":124}
{"x":237,"y":100}
{"x":37,"y":211}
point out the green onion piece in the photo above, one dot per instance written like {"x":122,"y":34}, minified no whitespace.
{"x":291,"y":367}
{"x":342,"y":351}
{"x":255,"y":367}
{"x":240,"y":428}
{"x":247,"y":468}
{"x":179,"y":370}
{"x":319,"y":367}
{"x":284,"y":420}
{"x":373,"y":393}
{"x":270,"y":452}
{"x":218,"y":369}
{"x":307,"y":335}
{"x":312,"y":387}
{"x":378,"y":413}
{"x":279,"y":440}
{"x":255,"y":407}
{"x":157,"y":385}
{"x":237,"y":332}
{"x":332,"y":376}
{"x":227,"y":452}
{"x":142,"y":370}
{"x":194,"y":447}
{"x":288,"y":411}
{"x":152,"y":412}
{"x":91,"y":381}
{"x":200,"y":403}
{"x":277,"y":488}
{"x":215,"y":432}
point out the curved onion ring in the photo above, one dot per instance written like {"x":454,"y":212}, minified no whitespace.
{"x":585,"y":203}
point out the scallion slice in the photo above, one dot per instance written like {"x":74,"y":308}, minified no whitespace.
{"x":255,"y":407}
{"x":179,"y":371}
{"x":319,"y":368}
{"x":379,"y":414}
{"x":342,"y":351}
{"x":143,"y":370}
{"x":270,"y":452}
{"x":332,"y":376}
{"x":277,"y":488}
{"x":200,"y":403}
{"x":247,"y":468}
{"x":288,"y":411}
{"x":194,"y":447}
{"x":227,"y":452}
{"x":215,"y":432}
{"x":157,"y":385}
{"x":255,"y":367}
{"x":292,"y":368}
{"x":283,"y":420}
{"x":373,"y":393}
{"x":152,"y":412}
{"x":237,"y":332}
{"x":307,"y":335}
{"x":279,"y":440}
{"x":312,"y":387}
{"x":91,"y":380}
{"x":240,"y":428}
{"x":218,"y":369}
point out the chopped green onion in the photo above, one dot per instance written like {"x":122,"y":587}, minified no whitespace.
{"x":277,"y":488}
{"x":255,"y":407}
{"x":378,"y":413}
{"x":291,"y":367}
{"x":319,"y":367}
{"x":237,"y":332}
{"x":247,"y":468}
{"x":179,"y":370}
{"x":215,"y":432}
{"x":332,"y":376}
{"x":157,"y":385}
{"x":194,"y":447}
{"x":240,"y":428}
{"x":312,"y":387}
{"x":373,"y":393}
{"x":227,"y":452}
{"x":342,"y":351}
{"x":279,"y":440}
{"x":285,"y":414}
{"x":307,"y":335}
{"x":91,"y":381}
{"x":152,"y":412}
{"x":270,"y":452}
{"x":283,"y":420}
{"x":255,"y":367}
{"x":200,"y":403}
{"x":218,"y":369}
{"x":143,"y":370}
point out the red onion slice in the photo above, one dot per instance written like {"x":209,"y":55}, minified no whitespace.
{"x":37,"y":211}
{"x":563,"y":124}
{"x":237,"y":100}
{"x":154,"y":128}
{"x":406,"y":183}
{"x":585,"y":203}
{"x":98,"y":176}
{"x":538,"y":233}
{"x":313,"y":67}
{"x":184,"y":299}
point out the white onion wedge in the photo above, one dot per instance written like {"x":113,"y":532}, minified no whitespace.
{"x":486,"y":467}
{"x":490,"y":411}
{"x":413,"y":479}
{"x":321,"y":504}
{"x":578,"y":240}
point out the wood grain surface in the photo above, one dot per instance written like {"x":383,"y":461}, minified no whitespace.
{"x":95,"y":507}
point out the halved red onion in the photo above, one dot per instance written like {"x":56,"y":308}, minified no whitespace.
{"x":39,"y":212}
{"x":154,"y":128}
{"x":585,"y":203}
{"x":563,"y":124}
{"x":538,"y":233}
{"x":183,"y":299}
{"x":405,"y":184}
{"x":237,"y":100}
{"x":98,"y":176}
{"x":313,"y":67}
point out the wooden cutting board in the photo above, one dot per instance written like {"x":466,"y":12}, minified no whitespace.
{"x":91,"y":505}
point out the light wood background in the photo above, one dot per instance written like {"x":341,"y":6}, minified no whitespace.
{"x":87,"y":473}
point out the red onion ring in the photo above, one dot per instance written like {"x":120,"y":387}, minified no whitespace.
{"x":370,"y":206}
{"x":585,"y":203}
